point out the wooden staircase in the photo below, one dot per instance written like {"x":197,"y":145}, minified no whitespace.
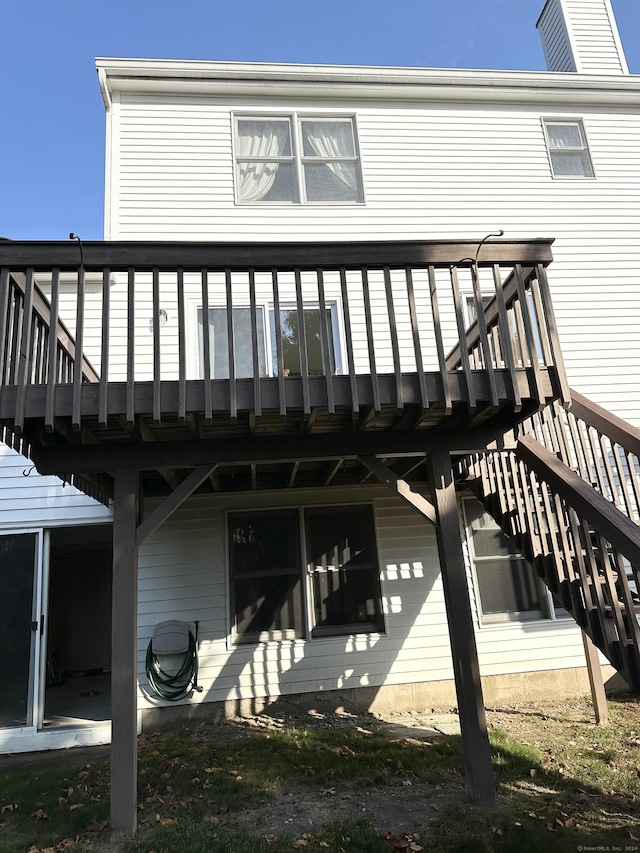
{"x":569,"y":497}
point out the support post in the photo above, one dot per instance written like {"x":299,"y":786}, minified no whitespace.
{"x":480,"y":781}
{"x":124,"y":728}
{"x":598,"y":695}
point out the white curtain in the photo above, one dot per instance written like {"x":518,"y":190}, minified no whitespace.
{"x":259,"y":139}
{"x":333,"y":139}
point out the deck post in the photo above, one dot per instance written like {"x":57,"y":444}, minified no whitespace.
{"x":124,"y":729}
{"x":480,"y":781}
{"x":596,"y":682}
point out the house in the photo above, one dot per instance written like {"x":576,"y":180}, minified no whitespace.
{"x":280,"y":467}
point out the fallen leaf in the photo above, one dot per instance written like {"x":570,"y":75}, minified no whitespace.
{"x":12,"y":807}
{"x":40,"y":815}
{"x":301,"y":842}
{"x":98,"y":825}
{"x":75,"y":806}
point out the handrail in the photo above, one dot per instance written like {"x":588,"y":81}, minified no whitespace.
{"x":614,"y":525}
{"x":387,"y":311}
{"x":120,"y":255}
{"x":600,"y":447}
{"x":491,"y":315}
{"x":584,"y":548}
{"x":64,"y":337}
{"x":615,"y":428}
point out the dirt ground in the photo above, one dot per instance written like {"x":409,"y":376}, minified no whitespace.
{"x":407,"y":805}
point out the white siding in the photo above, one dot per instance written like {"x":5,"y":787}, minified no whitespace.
{"x":183,"y":575}
{"x":35,"y":501}
{"x":581,"y":35}
{"x":430,"y":171}
{"x":595,"y":36}
{"x":557,"y":49}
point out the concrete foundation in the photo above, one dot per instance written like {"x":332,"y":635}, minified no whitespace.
{"x":421,"y":698}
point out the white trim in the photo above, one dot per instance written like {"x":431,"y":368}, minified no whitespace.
{"x":585,"y":150}
{"x":340,"y":82}
{"x":616,"y":36}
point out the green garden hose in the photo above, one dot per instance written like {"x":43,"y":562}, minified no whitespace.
{"x":174,"y":685}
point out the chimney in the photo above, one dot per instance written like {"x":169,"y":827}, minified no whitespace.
{"x":582,"y":36}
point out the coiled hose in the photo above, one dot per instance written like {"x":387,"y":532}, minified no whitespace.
{"x":174,"y":685}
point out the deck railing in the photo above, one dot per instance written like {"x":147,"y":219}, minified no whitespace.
{"x":386,"y":323}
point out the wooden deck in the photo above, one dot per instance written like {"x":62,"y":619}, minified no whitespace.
{"x":107,"y":344}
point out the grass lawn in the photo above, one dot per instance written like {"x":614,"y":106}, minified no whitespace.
{"x":349,"y":786}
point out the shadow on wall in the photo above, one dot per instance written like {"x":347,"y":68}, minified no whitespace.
{"x":362,"y":626}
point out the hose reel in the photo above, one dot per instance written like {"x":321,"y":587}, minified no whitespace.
{"x":172,"y":660}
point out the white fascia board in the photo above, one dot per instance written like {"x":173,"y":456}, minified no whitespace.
{"x":339,"y":82}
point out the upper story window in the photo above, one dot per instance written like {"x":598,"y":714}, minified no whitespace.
{"x":568,"y":149}
{"x":297,"y":159}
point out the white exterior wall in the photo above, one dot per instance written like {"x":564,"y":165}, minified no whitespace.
{"x":183,"y":575}
{"x":558,"y":51}
{"x":581,"y":35}
{"x":430,"y":171}
{"x":34,"y":501}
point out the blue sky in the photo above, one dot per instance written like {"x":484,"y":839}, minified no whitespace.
{"x":51,"y":111}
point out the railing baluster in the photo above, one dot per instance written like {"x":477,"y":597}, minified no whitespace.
{"x":182,"y":349}
{"x":540,"y":322}
{"x":532,"y":350}
{"x":76,"y":416}
{"x":52,"y":375}
{"x":507,"y":338}
{"x":417,"y":347}
{"x":282,"y":393}
{"x":626,"y":495}
{"x":442,"y":360}
{"x":302,"y":345}
{"x":157,"y":403}
{"x":393,"y":331}
{"x":233,"y":390}
{"x":103,"y":405}
{"x":131,"y":345}
{"x":206,"y":345}
{"x":324,"y":343}
{"x":373,"y":370}
{"x":39,"y":339}
{"x":355,"y":404}
{"x":635,"y":484}
{"x":464,"y":354}
{"x":554,"y":340}
{"x":5,"y":289}
{"x":604,"y":456}
{"x":24,"y":356}
{"x":484,"y":339}
{"x":257,"y":401}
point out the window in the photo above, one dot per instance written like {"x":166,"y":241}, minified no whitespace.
{"x":343,"y":566}
{"x":290,"y":336}
{"x":568,"y":150}
{"x":507,"y":586}
{"x":297,"y":159}
{"x":242,"y":342}
{"x":267,"y":342}
{"x":267,"y":552}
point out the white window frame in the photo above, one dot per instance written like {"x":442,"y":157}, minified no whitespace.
{"x":297,"y":158}
{"x":583,"y":150}
{"x":195,"y":370}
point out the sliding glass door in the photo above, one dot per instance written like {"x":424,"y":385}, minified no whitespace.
{"x":19,"y":627}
